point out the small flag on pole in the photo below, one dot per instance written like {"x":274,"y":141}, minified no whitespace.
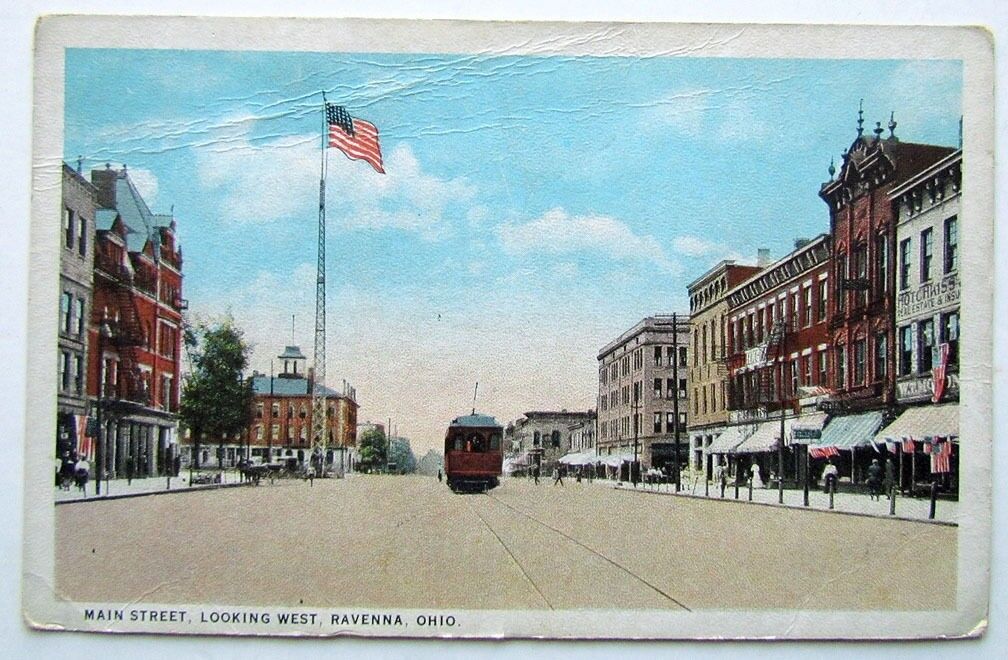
{"x":356,"y":138}
{"x":908,"y":445}
{"x":940,"y":457}
{"x":84,"y":446}
{"x":823,"y":452}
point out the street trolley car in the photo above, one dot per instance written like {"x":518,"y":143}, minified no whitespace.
{"x":472,"y":454}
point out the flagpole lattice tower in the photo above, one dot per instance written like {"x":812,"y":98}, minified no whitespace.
{"x":319,"y":436}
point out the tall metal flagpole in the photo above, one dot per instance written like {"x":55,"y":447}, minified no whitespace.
{"x":319,"y":439}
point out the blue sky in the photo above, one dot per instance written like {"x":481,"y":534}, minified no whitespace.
{"x":534,"y":207}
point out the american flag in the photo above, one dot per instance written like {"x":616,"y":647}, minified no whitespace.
{"x":356,"y":138}
{"x":908,"y":445}
{"x":84,"y":444}
{"x":941,"y":455}
{"x":823,"y":452}
{"x":892,"y":446}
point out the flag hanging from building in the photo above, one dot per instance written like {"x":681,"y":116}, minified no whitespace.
{"x":83,"y":442}
{"x":941,"y":455}
{"x":356,"y":138}
{"x":908,"y":445}
{"x":938,"y":368}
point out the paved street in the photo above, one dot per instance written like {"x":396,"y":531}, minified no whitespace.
{"x":409,"y":542}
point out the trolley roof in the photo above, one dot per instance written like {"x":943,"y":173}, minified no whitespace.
{"x":475,"y":420}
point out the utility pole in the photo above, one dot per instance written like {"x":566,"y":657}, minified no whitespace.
{"x":675,"y":399}
{"x":780,"y":445}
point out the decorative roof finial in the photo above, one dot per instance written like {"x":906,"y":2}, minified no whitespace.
{"x":108,"y":165}
{"x":124,"y":167}
{"x":80,"y":164}
{"x":878,"y":130}
{"x":892,"y":125}
{"x":832,"y":168}
{"x":860,"y":118}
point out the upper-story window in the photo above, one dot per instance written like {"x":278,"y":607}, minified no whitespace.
{"x":807,"y":307}
{"x":80,"y":317}
{"x":69,"y":228}
{"x":951,"y":244}
{"x":926,"y":253}
{"x":66,"y":311}
{"x":904,"y":263}
{"x":882,"y":262}
{"x":823,"y":294}
{"x":905,"y":350}
{"x":82,"y":238}
{"x":841,"y":276}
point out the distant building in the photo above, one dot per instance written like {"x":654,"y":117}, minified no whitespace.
{"x":135,"y":329}
{"x":281,"y":428}
{"x":76,"y":260}
{"x":544,"y":436}
{"x":706,"y":376}
{"x":642,"y":387}
{"x":582,"y":436}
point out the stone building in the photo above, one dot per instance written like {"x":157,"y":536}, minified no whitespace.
{"x":927,"y":285}
{"x":76,"y":260}
{"x":706,"y":377}
{"x":543,"y":436}
{"x":643,"y":392}
{"x":135,"y":330}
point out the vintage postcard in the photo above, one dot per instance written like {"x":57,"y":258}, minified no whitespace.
{"x":461,"y":329}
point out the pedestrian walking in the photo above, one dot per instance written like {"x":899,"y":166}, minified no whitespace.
{"x":829,"y":475}
{"x":874,"y":480}
{"x":557,"y":477}
{"x":81,"y":469}
{"x":754,"y":476}
{"x":439,"y":476}
{"x":535,"y":474}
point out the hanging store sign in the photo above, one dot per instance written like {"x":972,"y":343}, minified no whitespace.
{"x":928,"y":297}
{"x":922,"y":388}
{"x":755,"y":357}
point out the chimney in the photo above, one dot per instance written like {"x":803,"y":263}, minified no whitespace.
{"x":763,"y":257}
{"x":311,"y":379}
{"x":799,"y":243}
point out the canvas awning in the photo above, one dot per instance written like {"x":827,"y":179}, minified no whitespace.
{"x":848,"y":431}
{"x":921,"y":422}
{"x":766,"y":437}
{"x":729,"y":439}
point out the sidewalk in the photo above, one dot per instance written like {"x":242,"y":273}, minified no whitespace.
{"x":145,"y":486}
{"x":908,"y":508}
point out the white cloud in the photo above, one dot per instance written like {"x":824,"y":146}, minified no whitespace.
{"x":278,"y":179}
{"x":693,"y":246}
{"x":557,"y":232}
{"x":722,"y":115}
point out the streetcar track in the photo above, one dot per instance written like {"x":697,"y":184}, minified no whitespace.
{"x":511,"y":554}
{"x":589,"y":549}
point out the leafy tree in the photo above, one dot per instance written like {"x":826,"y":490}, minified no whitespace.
{"x":216,"y":397}
{"x":402,"y":456}
{"x":372,"y":445}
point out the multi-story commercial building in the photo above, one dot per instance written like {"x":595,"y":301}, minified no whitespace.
{"x":862,"y":303}
{"x":541,"y":437}
{"x":706,"y":377}
{"x":135,"y":330}
{"x":778,"y":354}
{"x":282,"y":416}
{"x":79,"y":199}
{"x":927,"y":289}
{"x":582,"y":436}
{"x":642,"y":399}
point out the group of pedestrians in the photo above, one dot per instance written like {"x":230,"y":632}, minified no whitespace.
{"x":72,"y":472}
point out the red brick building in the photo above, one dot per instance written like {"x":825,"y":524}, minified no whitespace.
{"x":135,"y":330}
{"x":863,"y":255}
{"x":282,"y":415}
{"x":777,"y":355}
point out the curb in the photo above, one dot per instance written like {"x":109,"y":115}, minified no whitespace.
{"x":187,"y":489}
{"x":793,"y":508}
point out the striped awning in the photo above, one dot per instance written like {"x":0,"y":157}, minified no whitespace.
{"x":848,"y":431}
{"x":729,"y":439}
{"x":920,"y":422}
{"x":766,"y":437}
